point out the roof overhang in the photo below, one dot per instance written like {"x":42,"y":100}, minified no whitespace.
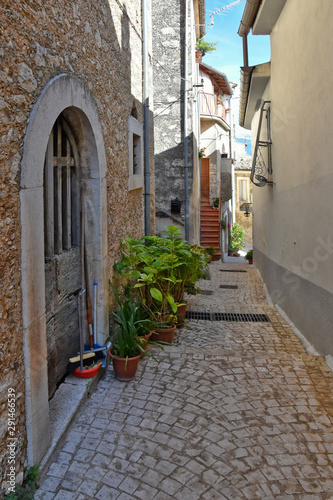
{"x":249,"y":14}
{"x":254,"y":80}
{"x":215,"y":119}
{"x":261,"y":16}
{"x":220,"y":78}
{"x":200,"y":18}
{"x":268,"y":13}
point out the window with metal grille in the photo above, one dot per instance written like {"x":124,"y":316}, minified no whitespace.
{"x":61,"y":191}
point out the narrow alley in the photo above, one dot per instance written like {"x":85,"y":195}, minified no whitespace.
{"x":233,"y":410}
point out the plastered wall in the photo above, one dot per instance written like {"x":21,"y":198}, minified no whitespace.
{"x":292,"y":219}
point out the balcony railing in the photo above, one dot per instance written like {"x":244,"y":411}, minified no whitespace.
{"x":211,"y":105}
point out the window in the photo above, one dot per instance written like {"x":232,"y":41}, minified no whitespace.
{"x":135,"y":151}
{"x":61,"y":191}
{"x":243,"y":189}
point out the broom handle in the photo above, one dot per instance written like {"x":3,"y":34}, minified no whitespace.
{"x":95,"y":312}
{"x":85,"y":268}
{"x":80,"y":328}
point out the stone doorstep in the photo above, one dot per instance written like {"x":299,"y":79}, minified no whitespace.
{"x":63,"y":407}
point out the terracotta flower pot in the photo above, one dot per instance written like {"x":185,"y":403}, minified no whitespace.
{"x":124,"y":369}
{"x":144,"y":343}
{"x":182,"y":310}
{"x":163,"y":334}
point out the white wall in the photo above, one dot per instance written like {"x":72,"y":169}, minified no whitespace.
{"x":293,"y":220}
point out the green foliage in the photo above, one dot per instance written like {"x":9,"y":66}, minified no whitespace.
{"x":130,"y":326}
{"x":216,"y":202}
{"x":236,"y":237}
{"x":159,"y":269}
{"x":249,"y":255}
{"x":205,"y":47}
{"x":33,"y":475}
{"x":201,"y":152}
{"x":29,"y":486}
{"x":210,"y":251}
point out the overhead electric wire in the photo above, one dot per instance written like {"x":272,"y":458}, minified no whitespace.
{"x":172,"y":103}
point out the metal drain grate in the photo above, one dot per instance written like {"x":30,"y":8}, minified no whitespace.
{"x":220,"y":316}
{"x":206,"y":292}
{"x":229,"y":287}
{"x":233,"y":271}
{"x":198,"y":315}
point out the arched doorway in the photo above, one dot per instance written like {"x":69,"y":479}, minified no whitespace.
{"x":63,"y":266}
{"x":67,"y":97}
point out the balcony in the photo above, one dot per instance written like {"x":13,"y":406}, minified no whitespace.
{"x":210,"y":104}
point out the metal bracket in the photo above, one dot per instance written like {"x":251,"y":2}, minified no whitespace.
{"x":261,"y":173}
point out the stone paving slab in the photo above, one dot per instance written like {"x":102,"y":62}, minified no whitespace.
{"x":232,"y":411}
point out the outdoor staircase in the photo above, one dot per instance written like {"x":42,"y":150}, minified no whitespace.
{"x":210,"y":227}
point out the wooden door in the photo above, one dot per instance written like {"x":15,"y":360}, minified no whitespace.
{"x":205,"y":178}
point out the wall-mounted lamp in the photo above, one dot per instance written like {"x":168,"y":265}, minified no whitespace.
{"x":246,"y":208}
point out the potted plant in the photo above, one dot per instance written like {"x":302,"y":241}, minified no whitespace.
{"x":160,"y":270}
{"x":223,"y":225}
{"x":231,"y":250}
{"x":204,"y":47}
{"x":146,"y":266}
{"x":249,"y":256}
{"x":210,"y":251}
{"x":129,"y":338}
{"x":216,"y":202}
{"x":201,"y":153}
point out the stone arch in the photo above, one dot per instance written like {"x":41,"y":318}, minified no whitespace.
{"x":68,"y":95}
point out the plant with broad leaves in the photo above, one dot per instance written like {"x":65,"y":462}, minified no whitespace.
{"x":160,"y":269}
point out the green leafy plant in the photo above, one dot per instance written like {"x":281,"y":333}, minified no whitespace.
{"x":130,"y":336}
{"x":126,"y":339}
{"x":159,"y":270}
{"x":201,"y":152}
{"x":223,"y":225}
{"x":249,"y":255}
{"x":237,"y":237}
{"x":204,"y":47}
{"x":216,"y":202}
{"x":27,"y":489}
{"x":210,"y":251}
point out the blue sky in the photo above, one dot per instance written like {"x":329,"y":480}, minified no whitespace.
{"x":228,"y":56}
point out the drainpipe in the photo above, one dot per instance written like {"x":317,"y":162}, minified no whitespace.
{"x":187,"y":232}
{"x":146,"y":143}
{"x":245,"y":51}
{"x":230,"y":144}
{"x":233,"y":193}
{"x":249,"y":15}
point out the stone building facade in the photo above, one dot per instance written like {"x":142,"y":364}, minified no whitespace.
{"x":176,"y":123}
{"x":71,"y":107}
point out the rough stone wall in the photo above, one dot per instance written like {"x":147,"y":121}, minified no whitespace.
{"x":168,"y":57}
{"x":100,"y":42}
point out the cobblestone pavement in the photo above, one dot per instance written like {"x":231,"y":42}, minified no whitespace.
{"x":232,"y":411}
